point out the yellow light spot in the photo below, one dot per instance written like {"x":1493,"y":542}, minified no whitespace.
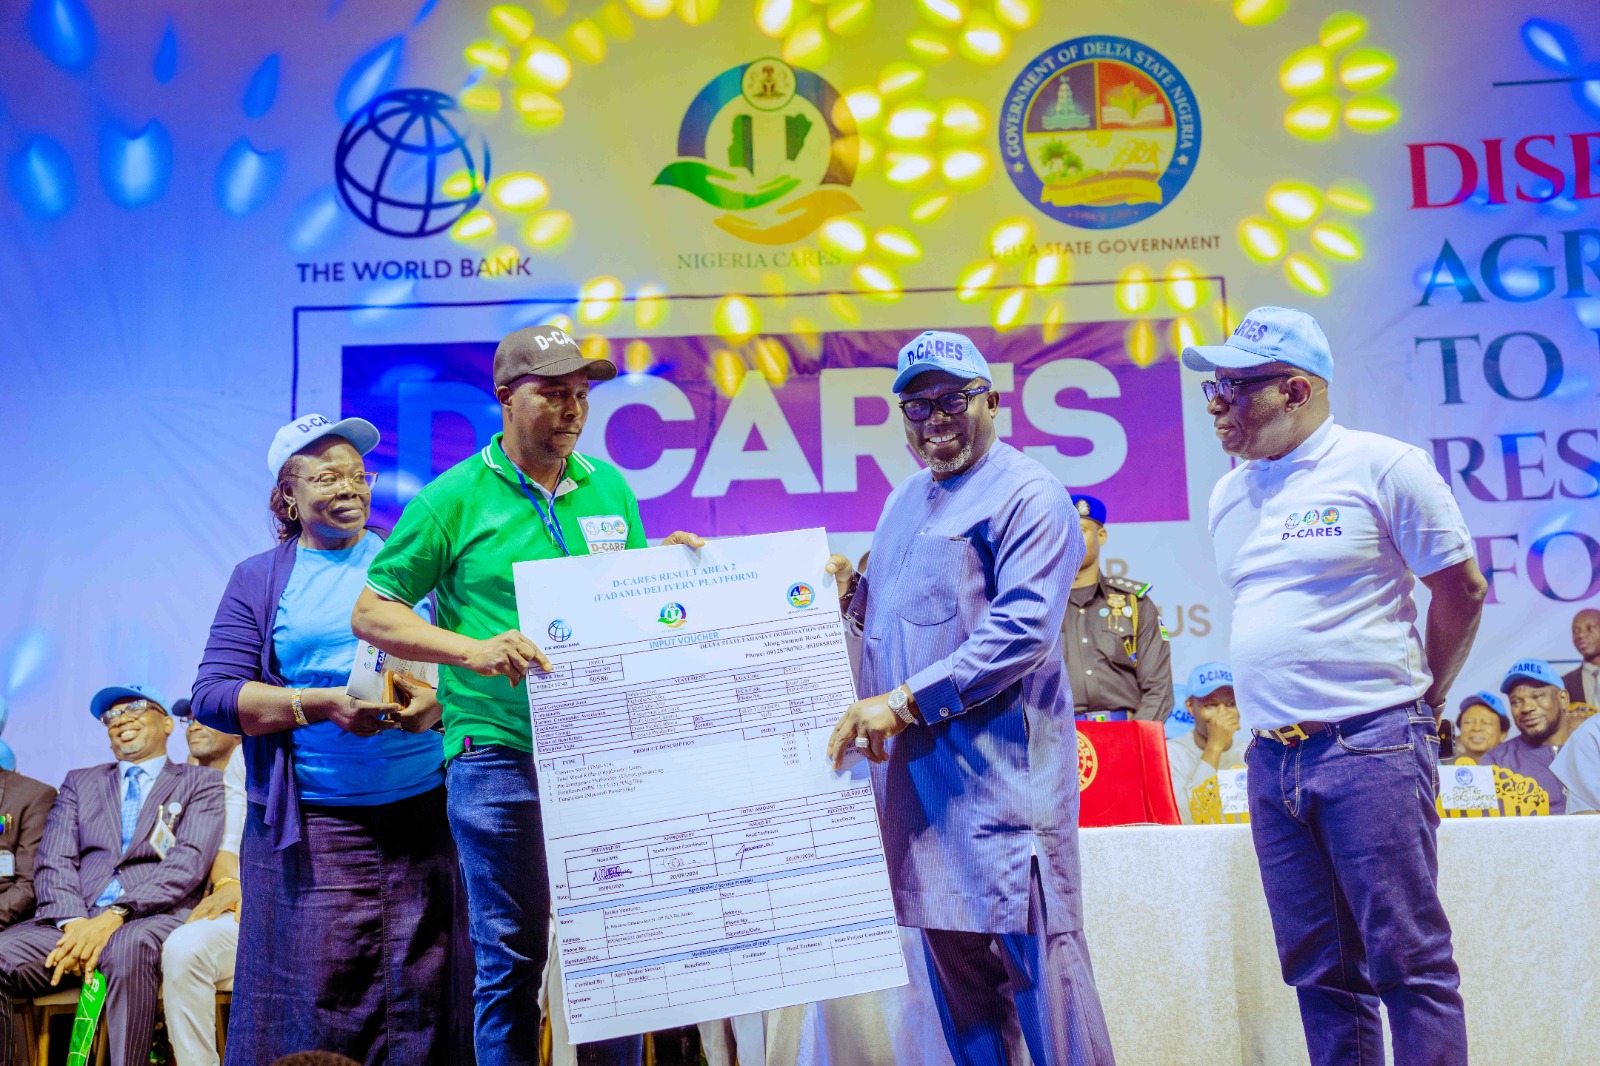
{"x":930,"y":45}
{"x":772,"y":359}
{"x":975,"y":280}
{"x":845,"y":236}
{"x":774,"y":17}
{"x":1261,"y":240}
{"x":1342,"y":29}
{"x":1350,"y":197}
{"x":1366,"y":69}
{"x":519,"y":192}
{"x":907,"y":169}
{"x":772,"y":284}
{"x":460,"y":185}
{"x":1017,"y":14}
{"x":650,"y":9}
{"x":984,"y":40}
{"x":489,"y":56}
{"x":544,"y":66}
{"x":808,"y":45}
{"x":897,"y":243}
{"x":912,"y":122}
{"x":947,"y":13}
{"x":595,"y":346}
{"x":1009,"y":310}
{"x":1141,"y":344}
{"x":849,"y":17}
{"x":877,"y":281}
{"x":650,"y":305}
{"x":808,"y":333}
{"x":555,"y":8}
{"x":1135,"y":292}
{"x":1185,"y":334}
{"x":513,"y":23}
{"x":962,"y":119}
{"x":615,"y":21}
{"x":598,"y":300}
{"x":1304,"y":273}
{"x":863,"y":105}
{"x":808,"y":267}
{"x":1369,"y":114}
{"x":1258,"y":12}
{"x":1012,"y":233}
{"x":1055,"y":317}
{"x":473,"y":226}
{"x":965,"y":168}
{"x":866,"y":152}
{"x":549,"y":230}
{"x":585,"y":41}
{"x":1185,"y":290}
{"x":697,"y":12}
{"x":1309,"y":70}
{"x":930,"y":207}
{"x":727,"y":371}
{"x":1047,"y":270}
{"x":481,"y":98}
{"x":637,"y":357}
{"x":1223,"y":317}
{"x":540,"y":111}
{"x":1314,"y":119}
{"x":736,"y":318}
{"x":844,"y":308}
{"x":1293,"y":203}
{"x":1337,"y":241}
{"x":896,"y":79}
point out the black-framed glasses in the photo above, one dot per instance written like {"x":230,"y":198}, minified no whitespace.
{"x":951,"y":403}
{"x":1229,"y":390}
{"x":329,"y":483}
{"x":131,"y":709}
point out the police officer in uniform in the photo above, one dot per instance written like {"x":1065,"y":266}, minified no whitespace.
{"x":1117,"y":654}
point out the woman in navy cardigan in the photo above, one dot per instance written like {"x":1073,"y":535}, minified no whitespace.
{"x":352,"y":912}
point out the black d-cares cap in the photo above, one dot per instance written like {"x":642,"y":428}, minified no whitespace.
{"x":548,"y":352}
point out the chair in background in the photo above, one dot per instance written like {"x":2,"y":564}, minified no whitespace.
{"x":35,"y":1016}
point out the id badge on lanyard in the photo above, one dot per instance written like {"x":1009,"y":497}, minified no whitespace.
{"x":547,"y":516}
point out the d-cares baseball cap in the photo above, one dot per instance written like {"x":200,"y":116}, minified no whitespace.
{"x":102,"y":701}
{"x":1268,"y":335}
{"x":1207,"y":678}
{"x":1535,"y":670}
{"x":548,"y":352}
{"x":362,"y":435}
{"x":936,"y":350}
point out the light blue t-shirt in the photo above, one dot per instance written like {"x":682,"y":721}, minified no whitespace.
{"x":315,"y":648}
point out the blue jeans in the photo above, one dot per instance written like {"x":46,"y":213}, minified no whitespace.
{"x":1345,"y":830}
{"x":495,"y":818}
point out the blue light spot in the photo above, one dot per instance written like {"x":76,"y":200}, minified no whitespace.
{"x":246,"y":178}
{"x":370,"y":75}
{"x":1587,"y":94}
{"x":1550,"y":43}
{"x":5,"y":716}
{"x":263,"y":88}
{"x":8,"y":758}
{"x":1588,"y":312}
{"x":29,"y":657}
{"x":63,"y":31}
{"x":424,"y":11}
{"x":381,"y":296}
{"x":167,"y":56}
{"x":135,"y":170}
{"x":41,"y":178}
{"x":1559,"y":207}
{"x":319,"y":218}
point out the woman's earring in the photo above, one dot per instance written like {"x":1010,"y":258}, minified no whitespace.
{"x":294,"y":510}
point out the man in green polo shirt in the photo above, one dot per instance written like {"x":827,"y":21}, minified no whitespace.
{"x":527,"y":495}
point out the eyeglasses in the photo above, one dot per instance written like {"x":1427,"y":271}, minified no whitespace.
{"x":1229,"y":390}
{"x":951,"y":403}
{"x":329,"y":483}
{"x":129,"y":710}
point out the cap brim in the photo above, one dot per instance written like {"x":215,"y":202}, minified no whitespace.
{"x":903,"y":379}
{"x":1203,"y":691}
{"x":599,"y":369}
{"x":1512,"y":679}
{"x":1207,"y":357}
{"x":362,"y":435}
{"x":102,"y":700}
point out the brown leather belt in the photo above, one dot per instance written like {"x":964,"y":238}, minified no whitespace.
{"x":1294,"y":734}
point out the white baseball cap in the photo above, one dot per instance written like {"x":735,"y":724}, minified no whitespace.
{"x":306,"y":430}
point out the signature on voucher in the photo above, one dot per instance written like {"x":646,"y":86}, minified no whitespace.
{"x":611,"y":873}
{"x":745,"y":849}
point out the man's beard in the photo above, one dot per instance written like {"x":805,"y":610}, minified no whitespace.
{"x":950,"y":466}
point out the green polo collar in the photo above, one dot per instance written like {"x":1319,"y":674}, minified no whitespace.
{"x":579,"y":467}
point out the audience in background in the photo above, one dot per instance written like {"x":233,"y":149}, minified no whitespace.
{"x":123,"y":860}
{"x":24,"y":806}
{"x":207,"y":746}
{"x":1217,"y":742}
{"x":1481,"y":724}
{"x":1538,"y":706}
{"x":1583,"y":681}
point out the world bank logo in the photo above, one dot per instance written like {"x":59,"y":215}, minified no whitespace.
{"x":673,"y":615}
{"x":404,"y":169}
{"x":559,"y":631}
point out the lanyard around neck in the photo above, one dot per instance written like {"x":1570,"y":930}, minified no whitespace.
{"x":546,"y":515}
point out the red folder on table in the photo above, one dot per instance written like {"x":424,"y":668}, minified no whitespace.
{"x":1123,"y":777}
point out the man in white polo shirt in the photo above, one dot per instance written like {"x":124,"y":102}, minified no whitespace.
{"x":1322,"y":533}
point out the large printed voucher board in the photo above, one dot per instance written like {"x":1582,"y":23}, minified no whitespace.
{"x":705,"y":859}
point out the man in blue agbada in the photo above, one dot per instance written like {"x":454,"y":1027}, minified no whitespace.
{"x":969,"y":718}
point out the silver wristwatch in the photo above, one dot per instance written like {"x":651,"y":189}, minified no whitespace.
{"x":900,"y":704}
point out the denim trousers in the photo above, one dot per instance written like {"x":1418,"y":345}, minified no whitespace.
{"x":1345,"y":830}
{"x":499,"y":834}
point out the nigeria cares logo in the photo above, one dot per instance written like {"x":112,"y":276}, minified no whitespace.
{"x":396,"y":155}
{"x":771,"y":147}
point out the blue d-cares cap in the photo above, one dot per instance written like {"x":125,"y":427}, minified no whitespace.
{"x":102,"y":701}
{"x":1268,"y":335}
{"x":1207,"y":678}
{"x":1490,"y":700}
{"x":936,"y":350}
{"x":1091,"y":508}
{"x":307,"y":430}
{"x":1535,"y":670}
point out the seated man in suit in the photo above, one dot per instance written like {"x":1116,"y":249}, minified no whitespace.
{"x":24,"y":806}
{"x":124,"y":858}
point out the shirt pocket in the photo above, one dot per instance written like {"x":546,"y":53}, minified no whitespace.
{"x":938,"y":572}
